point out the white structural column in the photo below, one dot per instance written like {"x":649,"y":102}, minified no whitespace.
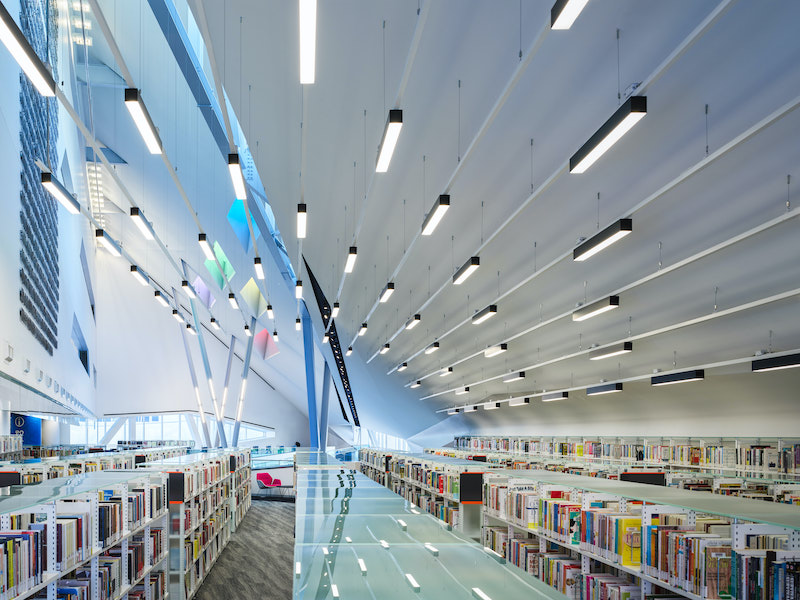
{"x":243,"y":390}
{"x":193,"y":375}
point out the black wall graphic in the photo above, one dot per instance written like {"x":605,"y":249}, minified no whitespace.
{"x":38,"y":272}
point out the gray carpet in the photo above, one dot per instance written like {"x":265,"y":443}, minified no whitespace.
{"x":257,"y":562}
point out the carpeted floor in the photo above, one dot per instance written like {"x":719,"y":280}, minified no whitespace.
{"x":257,"y":562}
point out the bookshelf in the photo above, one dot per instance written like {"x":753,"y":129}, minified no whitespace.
{"x":209,"y":494}
{"x":743,"y":456}
{"x":99,"y":536}
{"x":10,"y":447}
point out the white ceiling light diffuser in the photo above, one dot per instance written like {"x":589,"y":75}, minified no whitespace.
{"x":564,"y":13}
{"x":138,"y":111}
{"x":519,"y":401}
{"x":385,"y":349}
{"x":106,"y":242}
{"x":247,"y":331}
{"x":432,"y":348}
{"x":232,"y":300}
{"x":298,"y":289}
{"x":402,"y":367}
{"x":302,"y":221}
{"x":139,"y":275}
{"x":387,"y":293}
{"x":177,"y":316}
{"x":214,"y":323}
{"x":187,"y":287}
{"x":491,"y":406}
{"x":205,"y":246}
{"x":363,"y":329}
{"x":462,"y":391}
{"x":555,"y":396}
{"x":142,"y":224}
{"x":17,"y":44}
{"x":626,"y":116}
{"x":270,"y":312}
{"x":485,"y":314}
{"x":298,"y":325}
{"x":335,"y":311}
{"x":237,"y":177}
{"x":413,"y":322}
{"x":612,"y":350}
{"x":190,"y":330}
{"x":351,"y":259}
{"x":416,"y":384}
{"x":495,"y":350}
{"x":467,"y":269}
{"x":602,"y":240}
{"x":516,"y":376}
{"x":446,"y":371}
{"x":394,"y":123}
{"x":596,"y":308}
{"x":259,"y":268}
{"x":160,"y":298}
{"x":275,"y":335}
{"x":308,"y":40}
{"x":349,"y":351}
{"x":60,"y":193}
{"x":435,"y":215}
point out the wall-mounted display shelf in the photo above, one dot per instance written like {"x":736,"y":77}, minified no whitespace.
{"x":209,"y":494}
{"x":744,"y":456}
{"x":31,"y":472}
{"x":98,"y":536}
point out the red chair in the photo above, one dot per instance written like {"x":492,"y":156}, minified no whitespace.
{"x":265,"y":481}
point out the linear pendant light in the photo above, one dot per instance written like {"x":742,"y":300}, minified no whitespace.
{"x":60,"y":193}
{"x":516,"y":376}
{"x":555,"y":396}
{"x":467,"y":269}
{"x":385,"y":349}
{"x":145,"y":125}
{"x":462,"y":391}
{"x":483,"y":315}
{"x":519,"y":401}
{"x":414,"y":321}
{"x":177,"y":315}
{"x":270,"y":312}
{"x":214,"y":323}
{"x":106,"y":242}
{"x":387,"y":292}
{"x":495,"y":350}
{"x":402,"y":367}
{"x":493,"y":406}
{"x":139,"y":275}
{"x":187,"y":287}
{"x":600,"y":241}
{"x":259,"y":267}
{"x":446,"y":371}
{"x":672,"y":378}
{"x":436,"y":213}
{"x":247,"y":331}
{"x":205,"y":246}
{"x":351,"y":259}
{"x":142,"y":224}
{"x":564,"y":13}
{"x":349,"y":351}
{"x":160,"y":298}
{"x":308,"y":39}
{"x":416,"y":384}
{"x":19,"y":47}
{"x":363,"y":329}
{"x":190,"y":330}
{"x":298,"y":325}
{"x":302,"y":221}
{"x":335,"y":311}
{"x":298,"y":289}
{"x":596,"y":308}
{"x":394,"y":123}
{"x":626,"y":116}
{"x":776,"y":363}
{"x":613,"y":350}
{"x":432,"y":348}
{"x":232,"y":300}
{"x":237,"y":177}
{"x":605,"y":388}
{"x":275,"y":335}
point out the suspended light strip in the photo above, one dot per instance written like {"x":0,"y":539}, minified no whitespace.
{"x":298,"y":289}
{"x":363,"y":329}
{"x":776,"y":363}
{"x":514,"y":377}
{"x":432,"y":348}
{"x":446,"y":371}
{"x":205,"y":246}
{"x":600,"y":241}
{"x":105,"y":240}
{"x":232,"y":300}
{"x":259,"y":268}
{"x":626,"y":116}
{"x":596,"y":308}
{"x":177,"y":316}
{"x":148,"y":131}
{"x":412,"y":582}
{"x":613,"y":350}
{"x":142,"y":224}
{"x":479,"y":594}
{"x":334,"y":591}
{"x":555,"y":396}
{"x":325,"y":338}
{"x":462,"y":391}
{"x":436,"y":213}
{"x":467,"y":269}
{"x":564,"y":13}
{"x":683,"y":377}
{"x":362,"y":566}
{"x":606,"y":388}
{"x":270,"y":312}
{"x":384,"y":543}
{"x":302,"y":221}
{"x":275,"y":335}
{"x":297,"y":569}
{"x":385,"y":349}
{"x":237,"y":177}
{"x":187,"y":287}
{"x":297,"y":324}
{"x":402,"y":367}
{"x":416,"y":384}
{"x":308,"y":39}
{"x":389,"y":140}
{"x":59,"y":192}
{"x":414,"y":322}
{"x":160,"y":298}
{"x":495,"y":350}
{"x":214,"y":323}
{"x":349,"y":351}
{"x":351,"y":259}
{"x":402,"y":524}
{"x":493,"y":406}
{"x":486,"y":313}
{"x":519,"y":401}
{"x":190,"y":329}
{"x":17,"y":44}
{"x":387,"y":293}
{"x":335,"y":311}
{"x":452,"y":411}
{"x":348,"y":540}
{"x":247,"y":331}
{"x":432,"y":549}
{"x":139,"y":275}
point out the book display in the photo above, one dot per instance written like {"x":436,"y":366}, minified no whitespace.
{"x":98,"y":536}
{"x":10,"y":446}
{"x":209,"y":494}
